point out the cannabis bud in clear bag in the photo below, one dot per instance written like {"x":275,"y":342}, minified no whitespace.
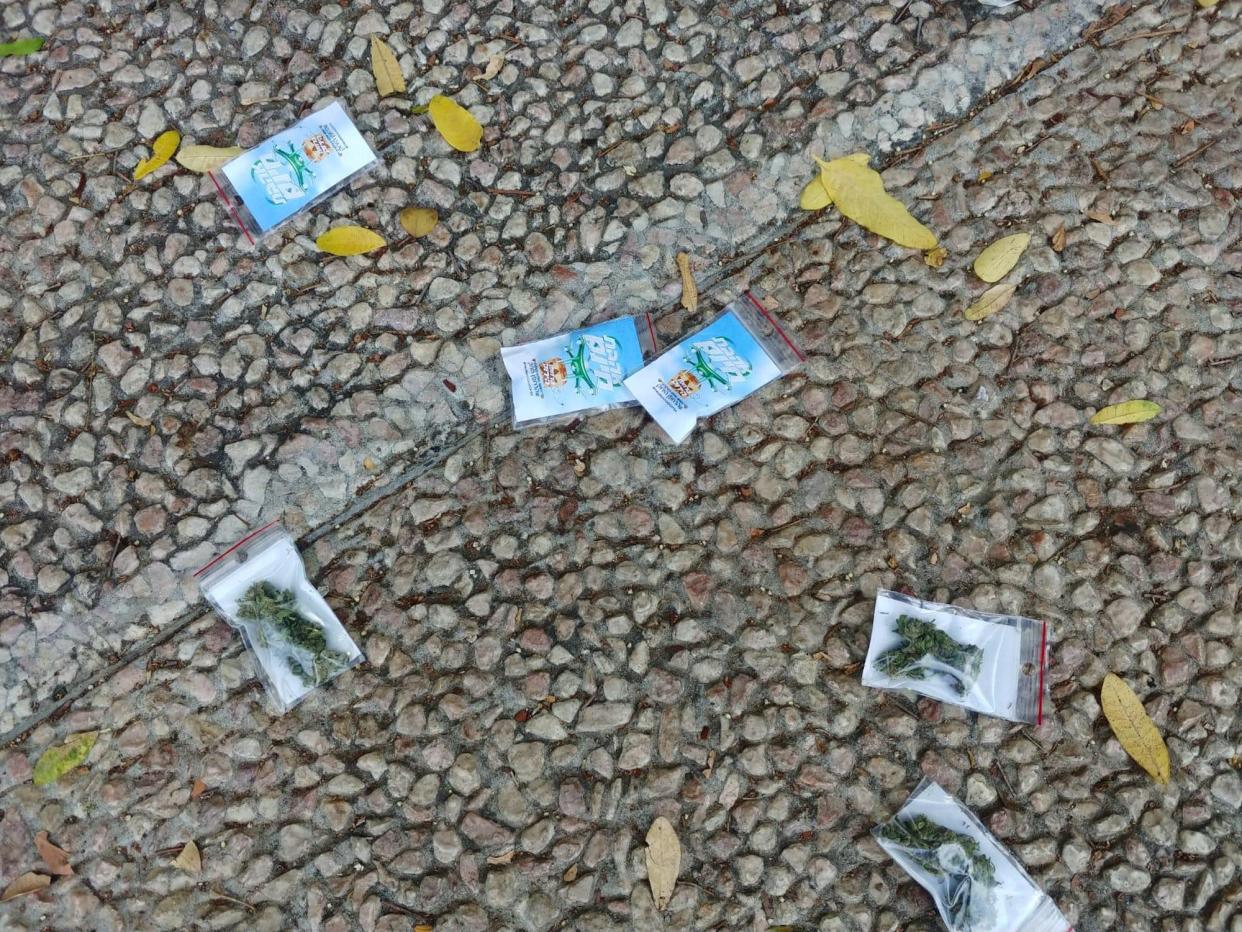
{"x":260,"y":587}
{"x":976,"y":884}
{"x":965,"y":873}
{"x":927,"y":651}
{"x":279,"y":624}
{"x":988,"y":662}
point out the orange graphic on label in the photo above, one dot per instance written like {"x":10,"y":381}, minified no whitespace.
{"x":553,"y":373}
{"x":317,"y":147}
{"x":684,"y":383}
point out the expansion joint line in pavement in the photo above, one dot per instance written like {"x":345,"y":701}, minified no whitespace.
{"x":727,"y":268}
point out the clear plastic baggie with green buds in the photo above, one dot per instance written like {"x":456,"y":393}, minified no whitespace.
{"x":260,"y":587}
{"x":977,"y":885}
{"x":991,"y":663}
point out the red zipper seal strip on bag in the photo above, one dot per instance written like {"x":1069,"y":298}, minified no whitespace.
{"x":1043,"y":665}
{"x":214,"y":560}
{"x":772,"y":320}
{"x":655,"y":345}
{"x":229,"y":204}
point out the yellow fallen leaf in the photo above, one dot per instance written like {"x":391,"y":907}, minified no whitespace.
{"x":418,"y":221}
{"x":459,"y":129}
{"x":663,"y":860}
{"x":571,"y":874}
{"x":814,"y":196}
{"x":1206,"y":4}
{"x":984,"y":176}
{"x":935,"y":257}
{"x":1127,"y":412}
{"x":26,"y":883}
{"x":423,"y":928}
{"x":991,"y":301}
{"x":368,"y":464}
{"x":57,"y":761}
{"x":203,"y":159}
{"x":1058,"y":239}
{"x":161,"y":151}
{"x":189,"y":860}
{"x":138,"y":421}
{"x":1138,"y":734}
{"x":386,"y":68}
{"x":689,"y":291}
{"x":995,"y":262}
{"x":858,"y":192}
{"x":349,"y":241}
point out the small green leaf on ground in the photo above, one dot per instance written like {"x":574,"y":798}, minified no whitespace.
{"x":57,"y":761}
{"x":22,"y":46}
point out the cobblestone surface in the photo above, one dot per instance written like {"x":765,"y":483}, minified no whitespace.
{"x":571,"y":631}
{"x":167,"y":384}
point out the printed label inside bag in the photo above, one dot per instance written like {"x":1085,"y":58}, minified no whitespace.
{"x":705,"y":373}
{"x":285,"y":172}
{"x":577,"y":371}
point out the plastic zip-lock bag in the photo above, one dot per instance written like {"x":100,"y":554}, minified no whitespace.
{"x":990,"y":663}
{"x":578,"y":372}
{"x":259,"y":586}
{"x":742,"y":349}
{"x":294,"y":170}
{"x":978,"y":886}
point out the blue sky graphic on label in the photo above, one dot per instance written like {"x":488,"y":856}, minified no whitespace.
{"x":286,"y":172}
{"x":576,"y":371}
{"x":704,"y":373}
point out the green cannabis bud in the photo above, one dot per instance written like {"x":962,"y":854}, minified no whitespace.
{"x":967,"y":873}
{"x":278,"y":621}
{"x":928,"y":650}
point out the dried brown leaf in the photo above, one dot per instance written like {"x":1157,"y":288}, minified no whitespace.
{"x":1058,"y":239}
{"x":502,"y":858}
{"x":207,"y":158}
{"x":138,"y":421}
{"x":56,"y":859}
{"x":494,"y":64}
{"x":386,"y":69}
{"x":189,"y":860}
{"x":1100,"y":216}
{"x":198,"y":789}
{"x":689,"y":291}
{"x":663,"y":861}
{"x":570,"y":875}
{"x":26,"y":883}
